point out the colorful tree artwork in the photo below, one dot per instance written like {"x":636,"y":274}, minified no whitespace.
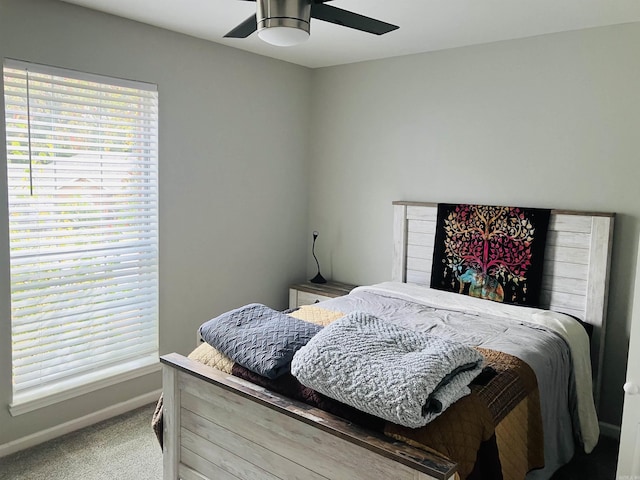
{"x":487,"y":248}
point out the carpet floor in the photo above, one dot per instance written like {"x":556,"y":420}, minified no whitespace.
{"x":125,"y":448}
{"x":122,"y":448}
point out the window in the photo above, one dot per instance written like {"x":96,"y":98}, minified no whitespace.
{"x":82,"y":168}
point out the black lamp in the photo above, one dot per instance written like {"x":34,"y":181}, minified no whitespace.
{"x":318,"y":278}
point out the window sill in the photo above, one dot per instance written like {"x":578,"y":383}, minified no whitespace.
{"x":36,"y":399}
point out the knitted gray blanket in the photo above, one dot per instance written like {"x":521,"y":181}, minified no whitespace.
{"x":259,"y":338}
{"x":397,"y":374}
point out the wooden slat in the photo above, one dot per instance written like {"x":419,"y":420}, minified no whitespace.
{"x":420,"y":239}
{"x":574,"y":302}
{"x":231,"y":445}
{"x":421,"y":226}
{"x":569,"y":239}
{"x":570,"y":223}
{"x":415,"y":212}
{"x":554,"y":253}
{"x":598,"y":293}
{"x":198,"y":465}
{"x":170,"y":424}
{"x":420,"y":251}
{"x":419,"y":277}
{"x":187,"y":473}
{"x":419,"y":264}
{"x":575,"y":286}
{"x":565,"y":270}
{"x":224,"y":459}
{"x":399,"y":243}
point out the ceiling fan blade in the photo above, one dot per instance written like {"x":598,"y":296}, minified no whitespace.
{"x":350,"y":19}
{"x":245,"y":29}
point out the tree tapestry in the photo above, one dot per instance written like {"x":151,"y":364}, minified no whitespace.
{"x":490,"y":252}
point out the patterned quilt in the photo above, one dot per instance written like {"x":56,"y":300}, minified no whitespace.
{"x":494,"y":433}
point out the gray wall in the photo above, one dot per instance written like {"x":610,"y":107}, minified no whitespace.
{"x":551,"y":121}
{"x":233,"y":198}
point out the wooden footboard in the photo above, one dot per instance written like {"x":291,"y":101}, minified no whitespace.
{"x":220,"y":427}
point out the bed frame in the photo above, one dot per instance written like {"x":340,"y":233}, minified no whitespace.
{"x":220,"y":427}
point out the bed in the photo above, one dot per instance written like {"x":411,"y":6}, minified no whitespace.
{"x":223,"y":423}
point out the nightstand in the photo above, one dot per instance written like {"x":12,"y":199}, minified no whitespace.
{"x":310,"y":293}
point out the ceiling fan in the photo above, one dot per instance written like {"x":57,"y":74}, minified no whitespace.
{"x":286,"y":22}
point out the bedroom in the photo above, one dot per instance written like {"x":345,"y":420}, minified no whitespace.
{"x":549,"y":121}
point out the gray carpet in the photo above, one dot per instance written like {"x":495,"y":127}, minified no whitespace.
{"x":121,"y":448}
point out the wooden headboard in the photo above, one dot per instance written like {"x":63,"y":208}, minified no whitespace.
{"x":575,"y":273}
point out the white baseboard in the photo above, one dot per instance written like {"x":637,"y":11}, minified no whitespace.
{"x":609,"y":430}
{"x":78,"y":423}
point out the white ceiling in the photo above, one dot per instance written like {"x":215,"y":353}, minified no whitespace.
{"x":425,"y":25}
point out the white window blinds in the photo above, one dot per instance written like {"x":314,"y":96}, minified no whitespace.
{"x":82,"y":168}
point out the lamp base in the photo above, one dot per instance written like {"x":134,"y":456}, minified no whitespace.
{"x":318,"y":279}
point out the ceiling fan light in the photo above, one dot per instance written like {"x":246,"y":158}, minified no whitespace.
{"x":283,"y":32}
{"x":283,"y":22}
{"x":283,"y":36}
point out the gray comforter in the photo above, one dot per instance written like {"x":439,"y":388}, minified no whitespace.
{"x":545,"y":351}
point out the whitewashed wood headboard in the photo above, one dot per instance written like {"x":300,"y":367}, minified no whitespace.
{"x":576,"y":264}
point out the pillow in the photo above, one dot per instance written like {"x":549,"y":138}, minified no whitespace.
{"x":588,"y":327}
